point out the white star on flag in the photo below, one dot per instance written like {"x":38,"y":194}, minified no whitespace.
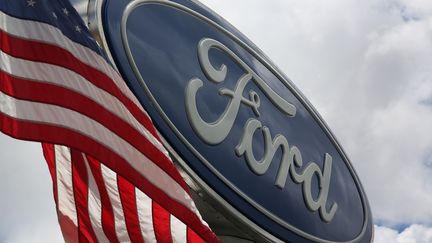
{"x":30,"y":3}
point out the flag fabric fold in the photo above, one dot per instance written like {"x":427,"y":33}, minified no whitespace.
{"x":113,"y":180}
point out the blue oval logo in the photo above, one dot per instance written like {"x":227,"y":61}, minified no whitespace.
{"x":239,"y":126}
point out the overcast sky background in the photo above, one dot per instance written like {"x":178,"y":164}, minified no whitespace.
{"x":367,"y":68}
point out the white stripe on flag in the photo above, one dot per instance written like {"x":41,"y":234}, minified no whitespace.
{"x":61,"y":117}
{"x":46,"y":33}
{"x":94,"y":205}
{"x":66,"y":199}
{"x":62,"y":77}
{"x":178,"y":230}
{"x":145,"y":216}
{"x":110,"y":182}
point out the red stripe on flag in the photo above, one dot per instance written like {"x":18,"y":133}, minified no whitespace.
{"x":128,"y":199}
{"x":161,"y":223}
{"x":52,"y":94}
{"x":107,"y":210}
{"x":47,"y":53}
{"x":192,"y":237}
{"x":48,"y":152}
{"x":47,"y":133}
{"x":58,"y":135}
{"x":80,"y":184}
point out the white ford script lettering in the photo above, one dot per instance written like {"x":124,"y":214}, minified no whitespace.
{"x":216,"y":132}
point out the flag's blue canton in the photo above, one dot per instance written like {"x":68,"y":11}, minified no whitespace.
{"x":60,"y":14}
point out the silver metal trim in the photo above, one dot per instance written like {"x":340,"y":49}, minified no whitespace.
{"x":94,"y":16}
{"x":238,"y":216}
{"x":95,"y":24}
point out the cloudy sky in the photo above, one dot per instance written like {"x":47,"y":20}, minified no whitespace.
{"x":367,"y":68}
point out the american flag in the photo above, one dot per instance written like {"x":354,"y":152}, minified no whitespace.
{"x":112,"y":178}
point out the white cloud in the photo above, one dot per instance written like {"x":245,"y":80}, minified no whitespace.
{"x":36,"y":233}
{"x":27,"y":206}
{"x":413,"y":234}
{"x":416,"y":8}
{"x":385,"y":235}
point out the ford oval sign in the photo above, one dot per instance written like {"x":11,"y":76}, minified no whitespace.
{"x":236,"y":123}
